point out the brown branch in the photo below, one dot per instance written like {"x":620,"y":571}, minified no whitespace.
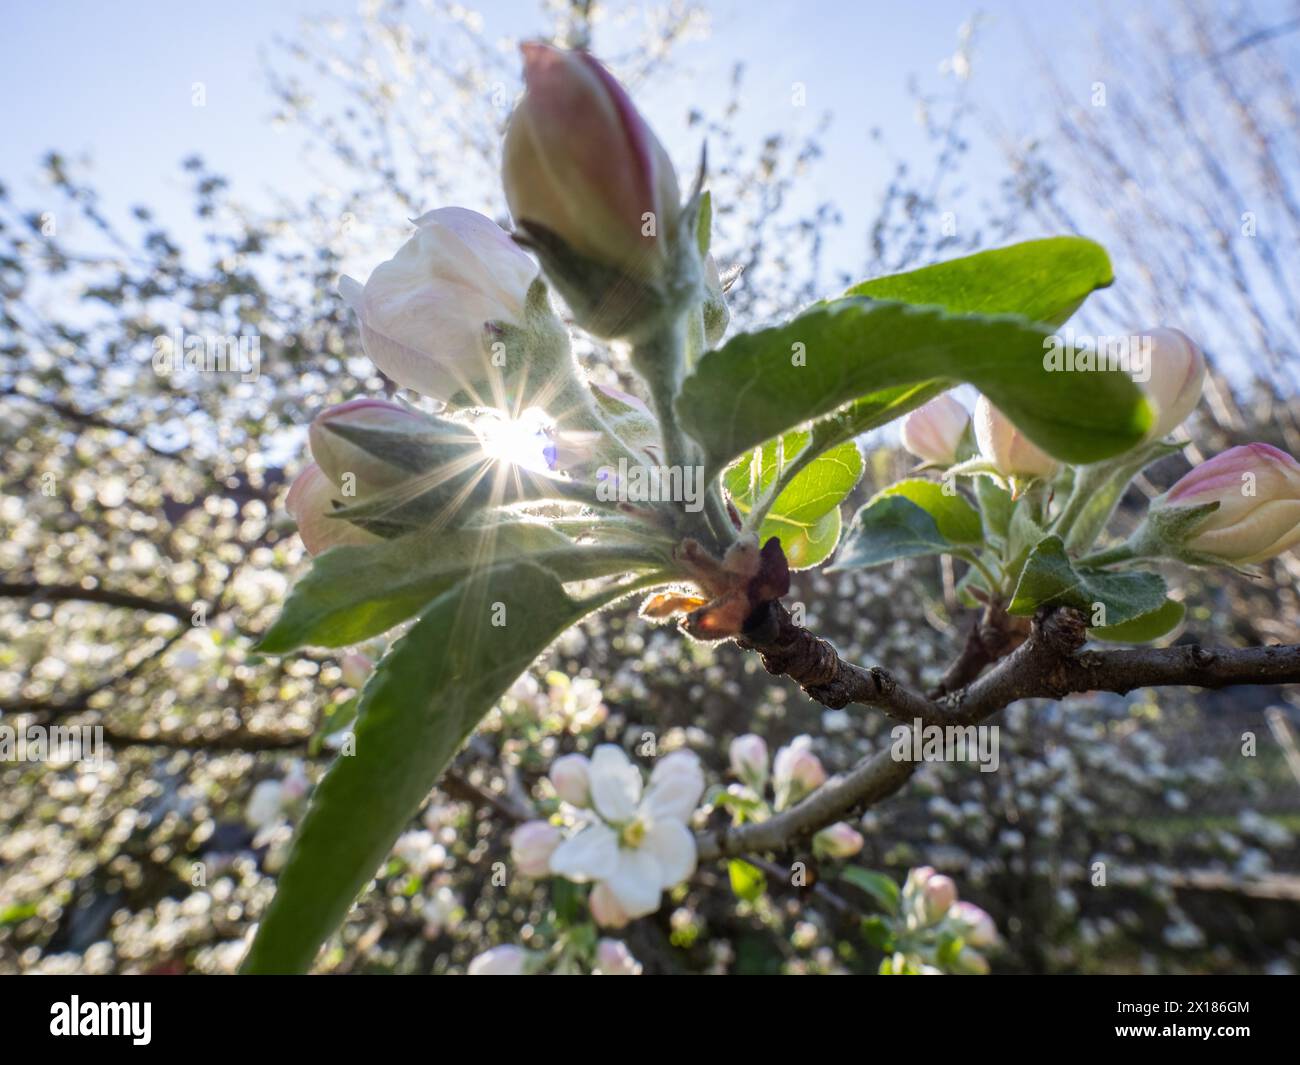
{"x":1050,"y":663}
{"x":992,"y":635}
{"x":58,"y":593}
{"x":790,"y":650}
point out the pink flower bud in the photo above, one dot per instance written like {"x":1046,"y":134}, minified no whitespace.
{"x":581,"y":162}
{"x":424,"y":311}
{"x":571,"y":777}
{"x":934,"y":431}
{"x":1257,"y":487}
{"x":1006,"y":448}
{"x":614,"y":959}
{"x":837,"y":841}
{"x":606,"y":910}
{"x":939,"y":893}
{"x":310,"y":502}
{"x":976,"y":926}
{"x":1177,"y":374}
{"x":356,"y":472}
{"x":796,"y":771}
{"x":749,"y":760}
{"x":500,"y":961}
{"x":916,"y":880}
{"x":355,"y":668}
{"x":531,"y":847}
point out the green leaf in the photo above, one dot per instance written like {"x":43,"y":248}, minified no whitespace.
{"x":1097,"y":490}
{"x":1023,"y":536}
{"x":806,"y":546}
{"x":1144,"y":627}
{"x":881,"y":936}
{"x":995,"y":508}
{"x":747,"y":881}
{"x":420,"y":704}
{"x":704,"y":223}
{"x":880,"y":887}
{"x":352,"y":593}
{"x":823,"y":482}
{"x":950,"y":945}
{"x":1042,"y":280}
{"x":339,"y":717}
{"x":886,"y":529}
{"x":1050,"y":578}
{"x":957,"y":521}
{"x":805,"y":516}
{"x":761,"y":384}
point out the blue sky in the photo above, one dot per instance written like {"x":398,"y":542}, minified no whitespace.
{"x":112,"y":82}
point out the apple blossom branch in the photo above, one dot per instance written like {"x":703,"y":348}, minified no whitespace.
{"x":1050,"y":664}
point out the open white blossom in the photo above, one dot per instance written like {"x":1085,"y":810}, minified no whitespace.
{"x":635,"y":843}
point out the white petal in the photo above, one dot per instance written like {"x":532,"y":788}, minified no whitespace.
{"x":590,"y":855}
{"x":635,"y":883}
{"x":615,"y":784}
{"x":673,"y":846}
{"x":675,"y":787}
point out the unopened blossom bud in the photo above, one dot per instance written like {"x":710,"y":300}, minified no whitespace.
{"x":500,"y":961}
{"x":796,"y":771}
{"x":310,"y":502}
{"x":360,"y":471}
{"x":606,"y":910}
{"x":355,"y":668}
{"x":1006,"y":448}
{"x":939,"y":894}
{"x":614,"y":959}
{"x":1176,"y":376}
{"x":424,"y":313}
{"x":581,"y":162}
{"x":749,"y":760}
{"x":976,"y":926}
{"x":571,"y":777}
{"x":934,"y":432}
{"x":1257,"y":489}
{"x":837,"y":841}
{"x":914,"y":885}
{"x":531,"y":847}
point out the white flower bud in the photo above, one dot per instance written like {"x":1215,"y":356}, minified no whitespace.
{"x":976,"y":926}
{"x":310,"y":503}
{"x":796,"y":771}
{"x":531,"y":847}
{"x":1006,"y":448}
{"x":424,"y":313}
{"x":933,"y":432}
{"x":939,"y":893}
{"x":1177,"y":375}
{"x":571,"y":777}
{"x":837,"y":841}
{"x":749,"y":760}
